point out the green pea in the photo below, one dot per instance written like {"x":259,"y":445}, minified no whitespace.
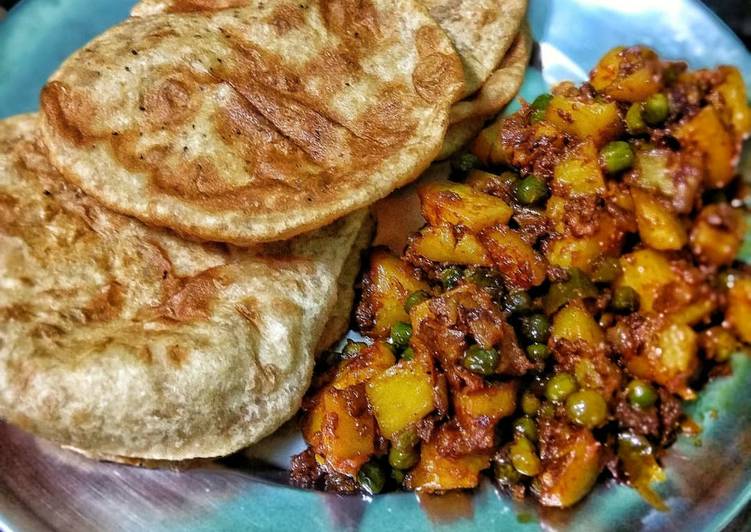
{"x":408,"y":354}
{"x":414,"y":299}
{"x":531,"y":189}
{"x":517,"y":302}
{"x":480,"y":361}
{"x":542,"y":101}
{"x":400,"y":334}
{"x":372,"y":477}
{"x":351,"y":349}
{"x":587,"y":408}
{"x":641,"y":394}
{"x":625,"y":299}
{"x":505,"y":473}
{"x":576,"y":286}
{"x":530,"y":403}
{"x":536,"y":328}
{"x":617,"y":156}
{"x":656,"y":109}
{"x":607,"y":270}
{"x":403,"y":458}
{"x":450,"y":276}
{"x":525,"y":426}
{"x":464,"y":162}
{"x":407,"y":439}
{"x":560,"y":386}
{"x":538,"y":351}
{"x":398,"y":475}
{"x":634,"y":120}
{"x":537,"y":115}
{"x":524,"y":457}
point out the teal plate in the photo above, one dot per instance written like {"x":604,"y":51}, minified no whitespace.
{"x":709,"y":477}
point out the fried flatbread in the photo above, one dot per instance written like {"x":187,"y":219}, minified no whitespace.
{"x":121,"y":340}
{"x":482,"y":32}
{"x":468,"y":116}
{"x":254,"y":123}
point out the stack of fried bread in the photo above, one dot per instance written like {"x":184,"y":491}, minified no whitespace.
{"x":181,"y":224}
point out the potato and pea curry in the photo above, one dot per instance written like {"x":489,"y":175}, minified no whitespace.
{"x":576,"y":281}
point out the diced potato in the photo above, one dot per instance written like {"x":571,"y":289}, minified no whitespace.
{"x":583,"y":253}
{"x":345,"y":441}
{"x":641,"y":467}
{"x":652,"y":170}
{"x":695,"y":312}
{"x":520,"y":265}
{"x":718,"y":234}
{"x":386,"y":286}
{"x":371,"y":361}
{"x":739,"y":308}
{"x":574,"y":322}
{"x":493,"y":403}
{"x":670,"y":358}
{"x":488,"y":147}
{"x":555,"y":211}
{"x":731,"y":102}
{"x":598,"y":121}
{"x":648,"y":272}
{"x":438,"y":473}
{"x":450,"y":203}
{"x":441,"y":244}
{"x":659,"y":227}
{"x":566,"y":479}
{"x":707,"y":133}
{"x":571,"y":252}
{"x":628,"y":74}
{"x":579,"y":174}
{"x":401,"y":396}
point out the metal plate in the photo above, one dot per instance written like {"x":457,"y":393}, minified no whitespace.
{"x":46,"y":488}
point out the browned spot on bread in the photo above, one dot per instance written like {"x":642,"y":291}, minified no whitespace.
{"x":286,"y":17}
{"x":144,"y":354}
{"x":192,"y":178}
{"x":106,"y":305}
{"x":433,"y":67}
{"x":352,"y":20}
{"x":66,"y":112}
{"x":169,"y":101}
{"x":248,"y":309}
{"x":190,"y":6}
{"x":177,"y":354}
{"x":193,"y":297}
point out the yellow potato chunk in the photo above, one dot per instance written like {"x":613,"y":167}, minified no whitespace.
{"x":345,"y":441}
{"x":520,"y":265}
{"x":371,"y":361}
{"x":579,"y":174}
{"x":659,"y":227}
{"x":574,"y":322}
{"x":648,"y":272}
{"x":731,"y":102}
{"x":739,"y":308}
{"x":706,"y":132}
{"x":488,"y":147}
{"x":387,"y":284}
{"x":597,"y":121}
{"x":717,"y":234}
{"x":567,"y":478}
{"x":670,"y":358}
{"x":438,"y":473}
{"x":628,"y":74}
{"x":401,"y":396}
{"x":441,"y":244}
{"x":450,"y":203}
{"x":583,"y":252}
{"x":493,"y":403}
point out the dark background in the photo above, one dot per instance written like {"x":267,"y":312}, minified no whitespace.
{"x":736,"y":13}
